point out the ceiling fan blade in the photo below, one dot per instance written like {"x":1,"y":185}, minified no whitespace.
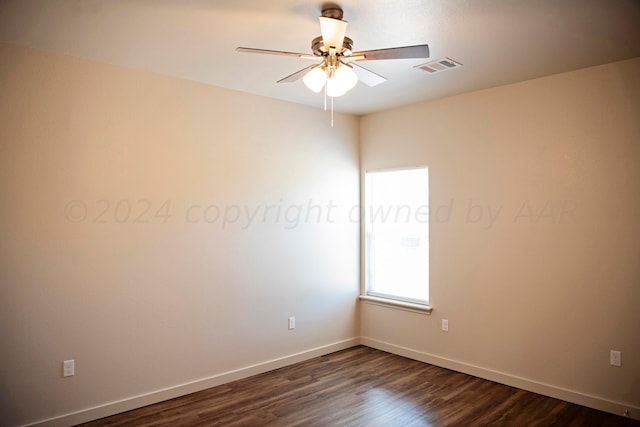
{"x":275,"y":52}
{"x":297,"y":75}
{"x":367,"y":77}
{"x":333,"y":31}
{"x":406,"y":52}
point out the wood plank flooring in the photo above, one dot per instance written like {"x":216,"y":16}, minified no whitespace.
{"x":361,"y":386}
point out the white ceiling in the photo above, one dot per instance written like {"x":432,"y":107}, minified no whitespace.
{"x":497,"y":41}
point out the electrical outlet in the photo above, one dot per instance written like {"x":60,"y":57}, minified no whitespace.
{"x":68,"y":368}
{"x":615,"y":358}
{"x":292,"y":322}
{"x":445,"y":325}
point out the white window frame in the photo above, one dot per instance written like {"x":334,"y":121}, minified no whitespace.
{"x":420,"y":306}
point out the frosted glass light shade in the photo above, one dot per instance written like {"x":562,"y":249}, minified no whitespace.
{"x":333,"y":31}
{"x":343,"y":80}
{"x":315,"y":79}
{"x":346,"y":76}
{"x":334,"y":88}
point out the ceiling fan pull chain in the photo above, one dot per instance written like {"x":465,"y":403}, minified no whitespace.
{"x":325,"y":97}
{"x":332,"y":111}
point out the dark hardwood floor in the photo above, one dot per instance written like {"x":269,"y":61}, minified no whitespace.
{"x":361,"y":386}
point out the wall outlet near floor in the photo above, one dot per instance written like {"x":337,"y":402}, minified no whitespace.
{"x":615,"y":358}
{"x":68,"y":368}
{"x":292,"y":322}
{"x":445,"y":325}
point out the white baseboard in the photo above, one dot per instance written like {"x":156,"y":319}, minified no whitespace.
{"x":583,"y":399}
{"x":135,"y":402}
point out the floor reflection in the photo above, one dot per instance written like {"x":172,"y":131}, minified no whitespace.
{"x":391,"y":408}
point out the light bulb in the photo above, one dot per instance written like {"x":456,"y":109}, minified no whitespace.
{"x":315,"y":79}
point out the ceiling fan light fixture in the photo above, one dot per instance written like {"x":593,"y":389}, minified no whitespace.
{"x":346,"y":76}
{"x":342,"y":81}
{"x":333,"y":32}
{"x":334,"y":88}
{"x":315,"y":79}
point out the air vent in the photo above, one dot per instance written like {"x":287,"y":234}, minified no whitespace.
{"x":443,"y":64}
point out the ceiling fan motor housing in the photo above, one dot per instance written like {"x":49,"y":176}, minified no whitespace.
{"x":318,"y":48}
{"x":332,"y":10}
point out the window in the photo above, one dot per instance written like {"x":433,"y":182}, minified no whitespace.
{"x":396,"y":222}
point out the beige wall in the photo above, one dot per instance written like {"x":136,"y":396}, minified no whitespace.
{"x":145,"y":306}
{"x":535,"y":233}
{"x":535,"y":236}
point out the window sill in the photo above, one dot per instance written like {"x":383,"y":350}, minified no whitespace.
{"x":386,"y":302}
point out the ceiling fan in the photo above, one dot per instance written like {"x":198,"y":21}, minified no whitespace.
{"x":336,"y":72}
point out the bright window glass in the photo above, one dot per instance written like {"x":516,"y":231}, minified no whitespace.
{"x":396,"y":221}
